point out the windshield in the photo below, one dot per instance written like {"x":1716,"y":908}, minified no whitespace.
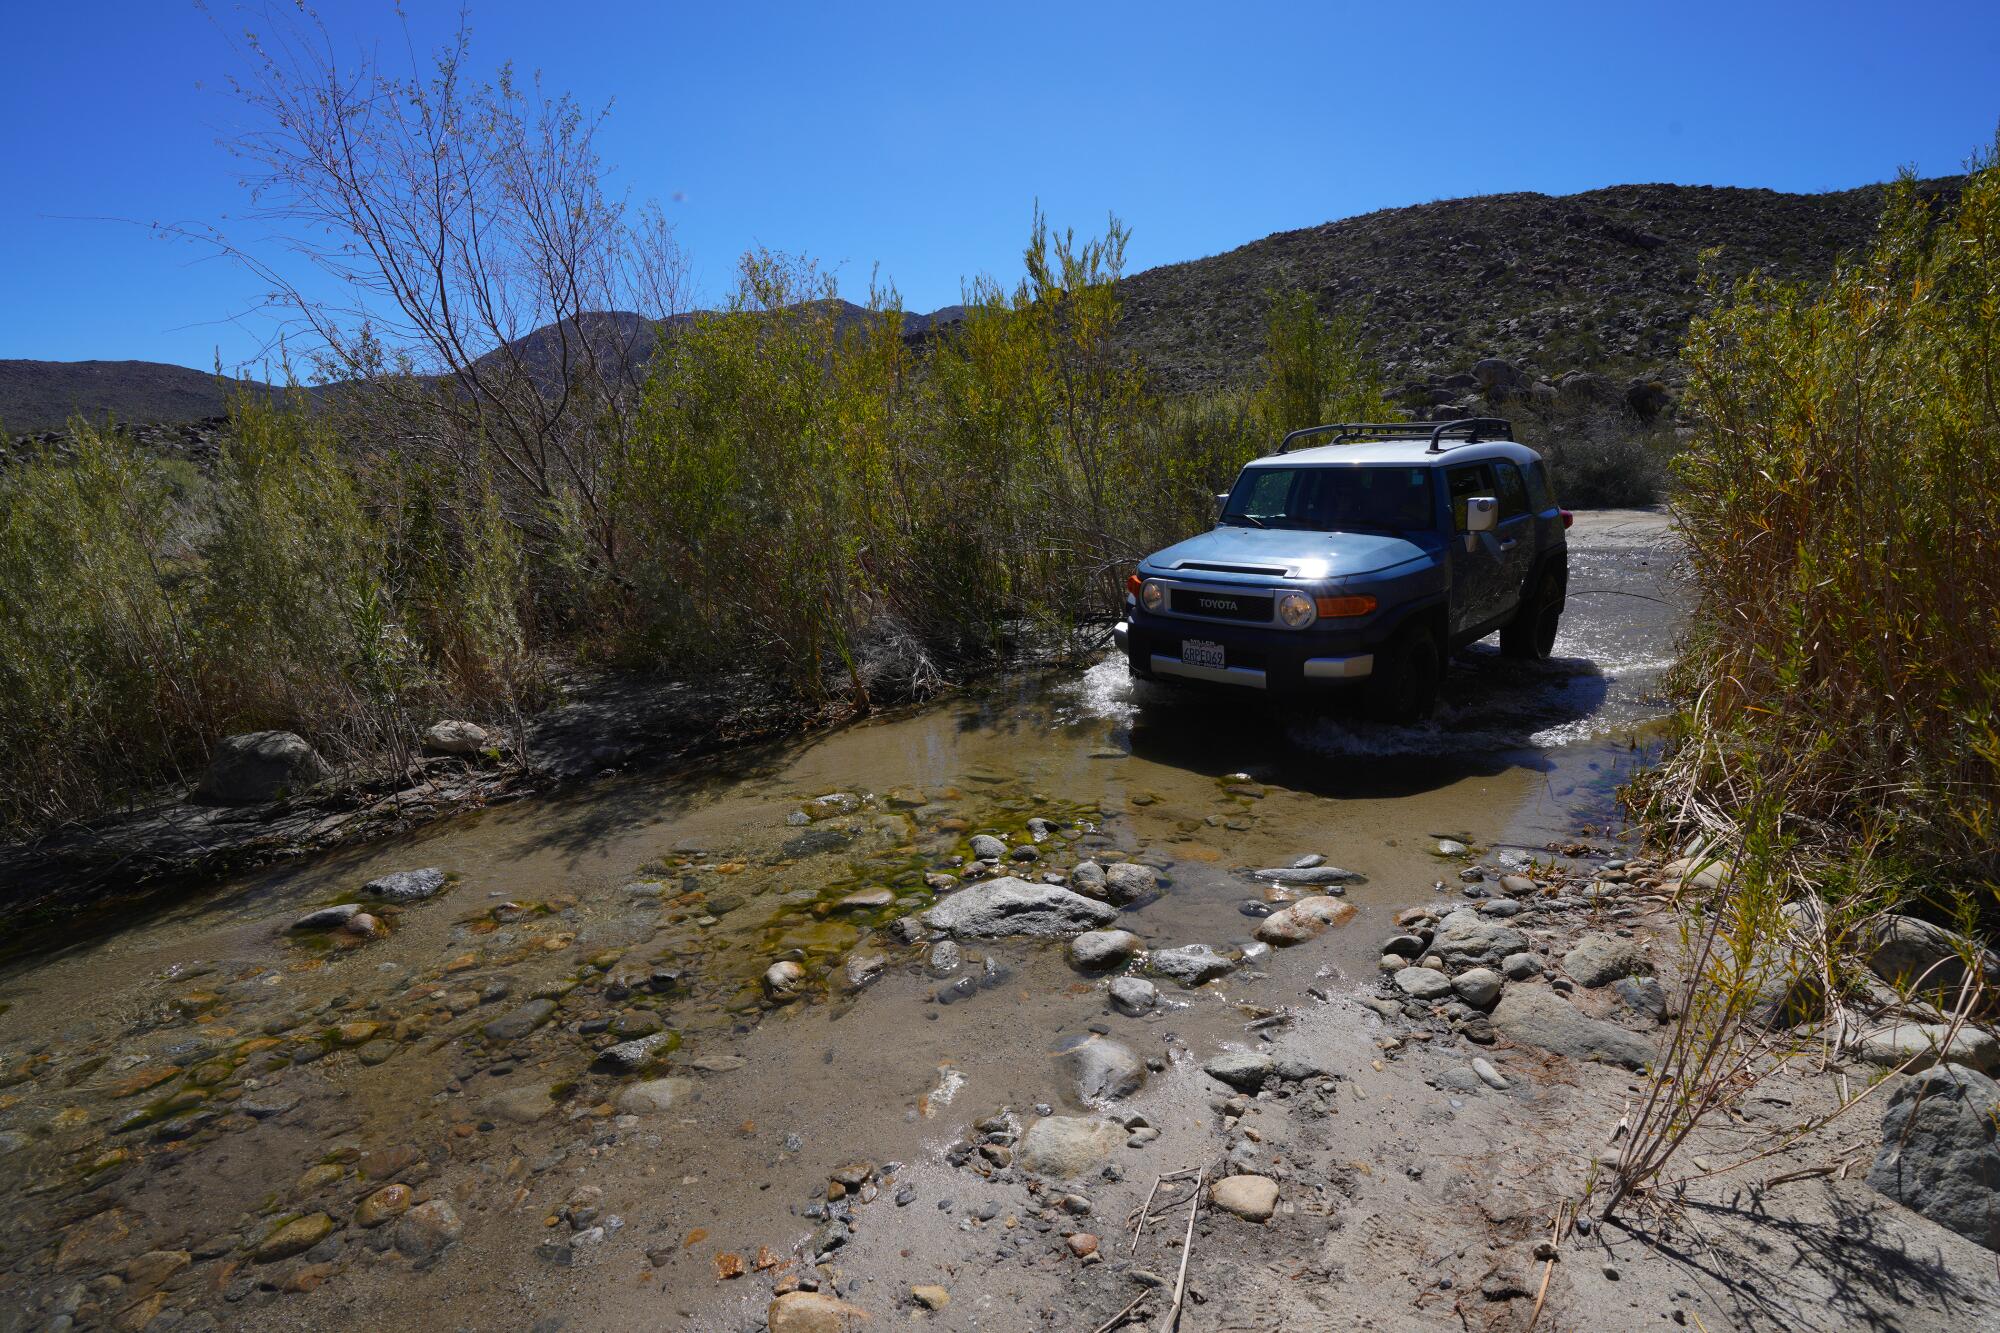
{"x":1339,"y":498}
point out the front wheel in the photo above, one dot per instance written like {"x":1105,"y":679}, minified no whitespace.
{"x":1404,"y":684}
{"x":1532,"y":633}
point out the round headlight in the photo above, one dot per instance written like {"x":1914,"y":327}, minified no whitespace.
{"x":1295,"y":610}
{"x":1152,"y":596}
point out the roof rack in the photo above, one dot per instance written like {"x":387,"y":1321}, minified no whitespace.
{"x":1471,"y":429}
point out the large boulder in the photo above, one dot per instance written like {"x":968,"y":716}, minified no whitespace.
{"x":1466,"y":939}
{"x":1062,"y":1145}
{"x":1537,"y":1016}
{"x":1939,"y":1151}
{"x":1907,"y":952}
{"x":1922,"y":1045}
{"x":260,"y":766}
{"x":1010,"y":906}
{"x":455,"y":737}
{"x":1498,"y":378}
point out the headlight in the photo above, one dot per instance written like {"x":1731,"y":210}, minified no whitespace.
{"x":1152,"y":596}
{"x":1295,"y":610}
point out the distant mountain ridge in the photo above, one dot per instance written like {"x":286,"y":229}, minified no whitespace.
{"x":1605,"y":280}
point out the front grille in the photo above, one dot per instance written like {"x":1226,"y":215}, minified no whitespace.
{"x":1221,"y":605}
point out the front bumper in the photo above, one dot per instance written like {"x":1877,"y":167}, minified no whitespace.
{"x":1256,"y":659}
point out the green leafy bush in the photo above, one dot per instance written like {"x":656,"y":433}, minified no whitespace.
{"x":1838,"y":503}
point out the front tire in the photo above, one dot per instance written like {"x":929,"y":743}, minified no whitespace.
{"x":1531,"y":635}
{"x":1403,"y":688}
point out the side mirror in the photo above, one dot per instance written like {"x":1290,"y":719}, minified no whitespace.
{"x":1221,"y":499}
{"x":1482,"y":514}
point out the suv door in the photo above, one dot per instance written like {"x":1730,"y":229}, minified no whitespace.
{"x":1484,"y":587}
{"x":1516,"y":533}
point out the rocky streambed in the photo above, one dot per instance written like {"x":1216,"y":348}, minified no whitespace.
{"x":1045,"y":1008}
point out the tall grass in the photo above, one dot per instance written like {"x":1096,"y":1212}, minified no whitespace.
{"x":1838,"y":503}
{"x":1839,"y":754}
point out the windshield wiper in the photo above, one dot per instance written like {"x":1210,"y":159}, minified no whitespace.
{"x":1251,"y":519}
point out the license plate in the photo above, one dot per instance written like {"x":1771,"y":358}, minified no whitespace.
{"x":1201,"y":653}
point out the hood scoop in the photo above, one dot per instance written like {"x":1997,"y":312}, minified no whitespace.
{"x":1234,"y":569}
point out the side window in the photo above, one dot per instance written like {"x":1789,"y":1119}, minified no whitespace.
{"x":1465,"y":482}
{"x":1513,"y":491}
{"x":1539,"y":497}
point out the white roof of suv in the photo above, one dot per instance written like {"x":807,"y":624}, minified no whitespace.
{"x":1405,"y":453}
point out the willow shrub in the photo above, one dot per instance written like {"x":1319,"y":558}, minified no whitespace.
{"x":1840,"y":506}
{"x":96,"y":637}
{"x":801,"y":494}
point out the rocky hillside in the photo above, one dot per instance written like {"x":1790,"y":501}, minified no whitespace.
{"x":42,"y":395}
{"x":1603,"y":281}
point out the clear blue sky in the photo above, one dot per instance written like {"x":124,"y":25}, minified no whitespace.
{"x":920,"y":136}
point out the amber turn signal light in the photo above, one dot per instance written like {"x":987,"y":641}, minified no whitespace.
{"x":1132,"y":582}
{"x":1332,"y":607}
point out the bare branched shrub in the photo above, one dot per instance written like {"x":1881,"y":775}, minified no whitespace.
{"x":490,"y":302}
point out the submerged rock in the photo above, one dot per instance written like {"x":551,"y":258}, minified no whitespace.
{"x":654,"y":1095}
{"x":521,"y":1105}
{"x":1010,"y":906}
{"x":518,"y":1023}
{"x":627,"y":1056}
{"x":293,"y":1237}
{"x":427,"y":1229}
{"x":328,"y":918}
{"x":407,"y":886}
{"x":1313,"y":874}
{"x":1128,"y":881}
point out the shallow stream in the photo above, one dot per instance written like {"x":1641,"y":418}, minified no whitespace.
{"x":192,"y":1084}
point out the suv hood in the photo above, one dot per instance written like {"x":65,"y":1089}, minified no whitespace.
{"x":1232,"y":554}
